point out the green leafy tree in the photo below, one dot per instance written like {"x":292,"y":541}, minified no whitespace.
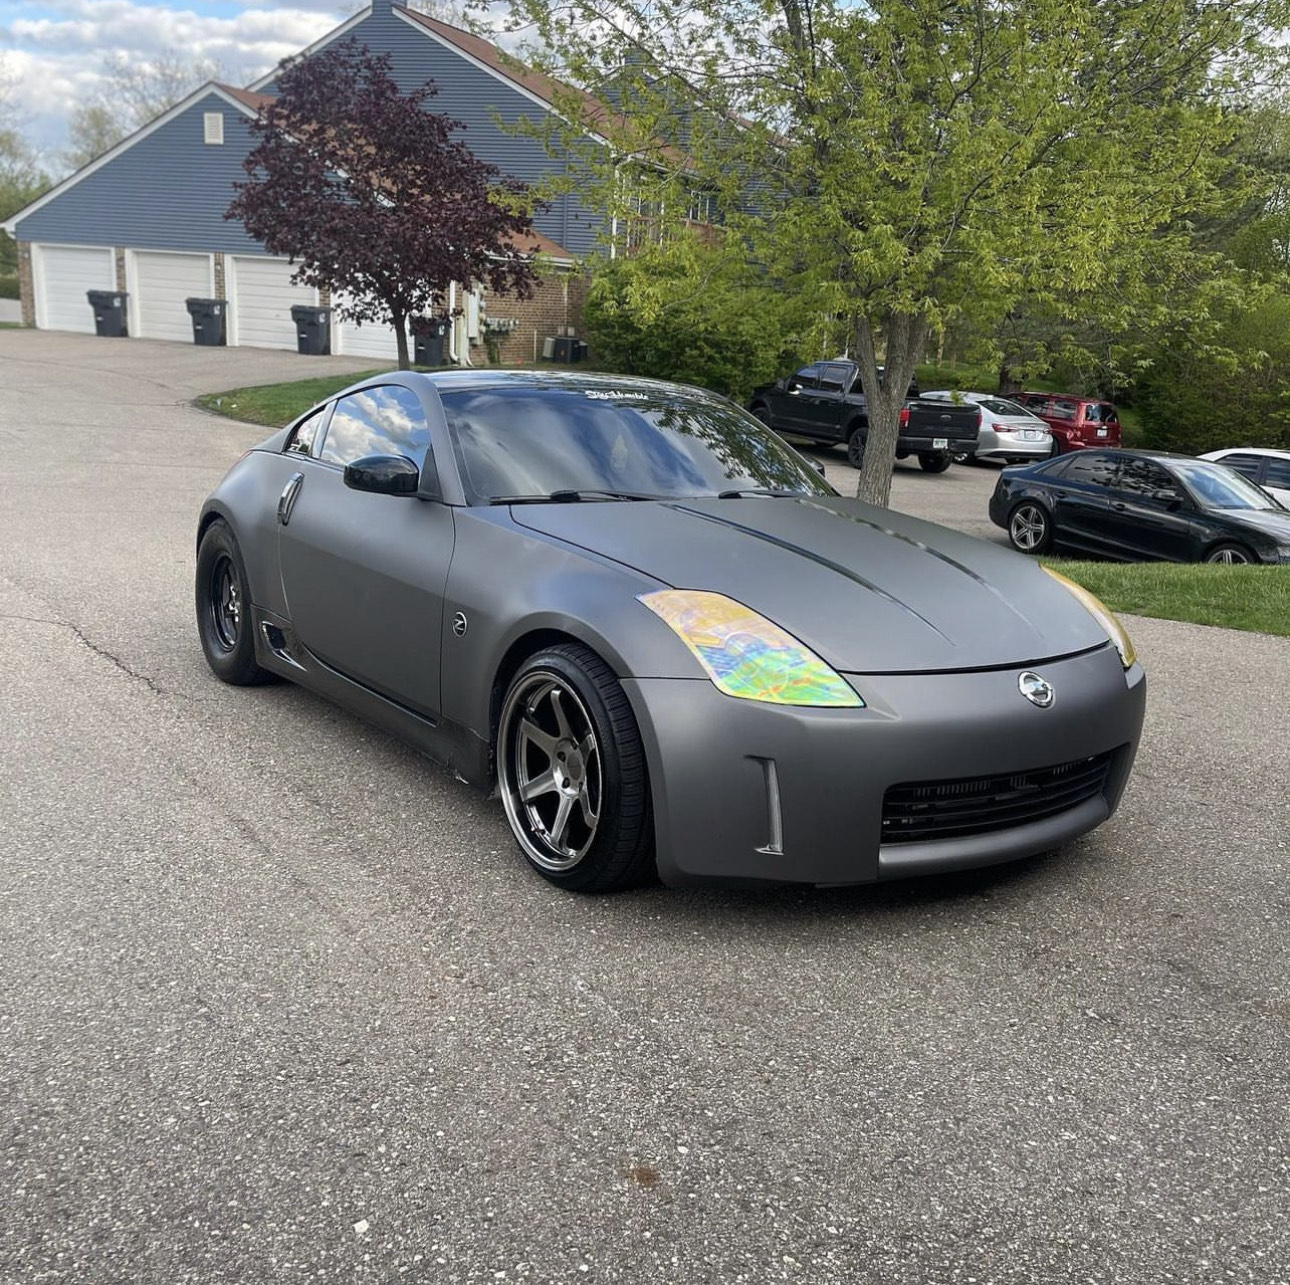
{"x":22,"y":177}
{"x":906,"y":164}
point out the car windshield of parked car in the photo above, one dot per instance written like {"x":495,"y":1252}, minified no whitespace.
{"x":1218,"y":487}
{"x":603,"y":442}
{"x":1001,"y":406}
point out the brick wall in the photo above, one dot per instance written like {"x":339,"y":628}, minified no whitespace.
{"x":26,"y":286}
{"x":556,"y":303}
{"x":118,"y":256}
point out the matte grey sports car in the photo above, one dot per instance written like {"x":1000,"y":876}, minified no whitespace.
{"x":663,"y":636}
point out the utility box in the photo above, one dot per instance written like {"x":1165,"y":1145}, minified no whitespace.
{"x":210,"y":317}
{"x":563,"y":348}
{"x":313,"y":330}
{"x":109,"y":312}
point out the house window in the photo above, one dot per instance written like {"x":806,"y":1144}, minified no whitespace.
{"x":214,"y":123}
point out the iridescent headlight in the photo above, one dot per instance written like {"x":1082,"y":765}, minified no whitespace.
{"x":745,"y":654}
{"x":1102,"y":614}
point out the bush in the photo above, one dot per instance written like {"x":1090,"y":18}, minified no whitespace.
{"x":690,"y":312}
{"x":1195,"y":403}
{"x":9,"y":287}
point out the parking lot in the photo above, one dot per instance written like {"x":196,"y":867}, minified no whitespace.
{"x":279,"y":1002}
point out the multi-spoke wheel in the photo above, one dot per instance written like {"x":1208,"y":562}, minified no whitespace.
{"x":1029,"y":528}
{"x":855,"y":448}
{"x":224,"y":609}
{"x":1229,"y":553}
{"x":571,"y":771}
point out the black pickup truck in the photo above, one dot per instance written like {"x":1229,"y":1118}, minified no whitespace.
{"x":824,"y":402}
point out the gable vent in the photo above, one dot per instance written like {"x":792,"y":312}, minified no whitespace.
{"x":214,"y":125}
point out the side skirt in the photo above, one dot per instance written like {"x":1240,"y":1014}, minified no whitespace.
{"x":457,"y":748}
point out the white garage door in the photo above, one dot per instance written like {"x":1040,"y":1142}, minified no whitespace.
{"x":61,"y":276}
{"x":371,"y":339}
{"x":260,"y":298}
{"x":159,"y":285}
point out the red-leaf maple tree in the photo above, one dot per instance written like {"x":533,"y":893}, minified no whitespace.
{"x":367,"y":190}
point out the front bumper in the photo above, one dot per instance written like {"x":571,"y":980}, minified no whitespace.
{"x":754,"y":792}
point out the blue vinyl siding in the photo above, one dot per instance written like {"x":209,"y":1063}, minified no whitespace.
{"x":167,"y":192}
{"x":478,"y":99}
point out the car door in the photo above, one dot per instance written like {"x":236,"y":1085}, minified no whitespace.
{"x":363,"y":574}
{"x":789,"y":409}
{"x":821,"y":407}
{"x":1081,"y":500}
{"x":1141,"y":524}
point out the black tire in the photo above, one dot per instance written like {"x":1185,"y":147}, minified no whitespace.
{"x":1030,"y":529}
{"x":566,"y":722}
{"x":761,"y":413}
{"x":223,"y":601}
{"x":1229,"y":553}
{"x":935,"y":461}
{"x":855,"y":448}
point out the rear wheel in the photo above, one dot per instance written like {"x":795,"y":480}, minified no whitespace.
{"x":1231,"y":554}
{"x":571,"y":772}
{"x":935,"y":461}
{"x":762,"y":413}
{"x":223,"y":602}
{"x":1029,"y":528}
{"x":855,"y":448}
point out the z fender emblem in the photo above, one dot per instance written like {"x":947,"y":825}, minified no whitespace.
{"x":459,"y":624}
{"x":1038,"y":691}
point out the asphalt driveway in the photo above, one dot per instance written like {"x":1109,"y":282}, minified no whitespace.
{"x":278,"y":1002}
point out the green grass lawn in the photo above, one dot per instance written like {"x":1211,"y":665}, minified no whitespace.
{"x":1251,"y":598}
{"x":277,"y":404}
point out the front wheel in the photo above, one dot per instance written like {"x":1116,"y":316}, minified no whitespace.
{"x":935,"y":461}
{"x":571,"y":772}
{"x":1230,"y":554}
{"x":855,"y":448}
{"x":224,"y":609}
{"x":1029,"y":528}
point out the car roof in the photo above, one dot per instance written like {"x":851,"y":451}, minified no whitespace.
{"x":1271,"y":451}
{"x":970,"y":397}
{"x":455,"y":380}
{"x":1068,"y":397}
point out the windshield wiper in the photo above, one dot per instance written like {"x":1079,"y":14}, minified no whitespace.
{"x":571,"y":497}
{"x":774,"y":493}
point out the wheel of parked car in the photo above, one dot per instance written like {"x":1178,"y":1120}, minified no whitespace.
{"x":761,"y":413}
{"x":935,"y":461}
{"x":224,"y":609}
{"x":855,"y":448}
{"x":1230,"y":553}
{"x":1029,"y":527}
{"x":571,"y":772}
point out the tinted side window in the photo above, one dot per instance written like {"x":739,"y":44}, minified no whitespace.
{"x":807,"y":377}
{"x":1246,"y":464}
{"x":1094,"y":470}
{"x":306,"y":432}
{"x":1060,"y":409}
{"x":1143,"y":478}
{"x":377,"y":421}
{"x":834,"y":378}
{"x":1278,"y":473}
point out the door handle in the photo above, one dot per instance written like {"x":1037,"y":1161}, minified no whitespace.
{"x":287,"y":500}
{"x":1118,"y":506}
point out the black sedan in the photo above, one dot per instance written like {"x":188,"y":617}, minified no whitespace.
{"x":1140,"y":506}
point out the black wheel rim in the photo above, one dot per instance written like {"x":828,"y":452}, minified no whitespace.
{"x":855,"y":452}
{"x":225,"y":603}
{"x":550,"y":769}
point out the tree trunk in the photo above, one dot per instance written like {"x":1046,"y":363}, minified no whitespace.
{"x":1008,"y":384}
{"x":400,"y":322}
{"x":906,"y":335}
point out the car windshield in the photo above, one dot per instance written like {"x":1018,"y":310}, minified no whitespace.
{"x":1001,"y":406}
{"x":1216,"y":486}
{"x":604,"y":443}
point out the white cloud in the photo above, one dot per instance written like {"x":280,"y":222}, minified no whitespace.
{"x":56,"y":52}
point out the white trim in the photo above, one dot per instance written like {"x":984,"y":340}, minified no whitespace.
{"x":11,"y":224}
{"x":38,"y":249}
{"x":497,"y":75}
{"x":256,"y":85}
{"x":134,"y":323}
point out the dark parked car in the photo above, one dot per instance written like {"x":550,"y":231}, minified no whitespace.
{"x":1076,"y":423}
{"x":824,"y":402}
{"x":667,"y":641}
{"x":1140,"y":506}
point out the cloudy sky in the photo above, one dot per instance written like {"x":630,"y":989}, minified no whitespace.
{"x":55,"y":48}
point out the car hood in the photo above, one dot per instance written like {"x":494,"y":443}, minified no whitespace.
{"x":1270,"y":522}
{"x":869,"y":590}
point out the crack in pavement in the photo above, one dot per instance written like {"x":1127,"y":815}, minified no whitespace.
{"x":80,"y":636}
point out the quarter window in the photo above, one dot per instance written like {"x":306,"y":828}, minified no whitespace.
{"x":1247,"y":464}
{"x":1278,"y":474}
{"x":302,"y":440}
{"x":377,"y":421}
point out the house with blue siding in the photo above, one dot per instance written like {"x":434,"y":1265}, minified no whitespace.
{"x":146,"y":219}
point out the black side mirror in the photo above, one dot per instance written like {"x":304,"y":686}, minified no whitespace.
{"x":383,"y":475}
{"x":815,"y":462}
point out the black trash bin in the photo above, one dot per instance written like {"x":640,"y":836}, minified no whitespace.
{"x":209,"y":319}
{"x":313,"y":330}
{"x":109,"y":312}
{"x":428,"y":342}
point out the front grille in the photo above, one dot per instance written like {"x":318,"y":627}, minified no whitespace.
{"x":921,"y":810}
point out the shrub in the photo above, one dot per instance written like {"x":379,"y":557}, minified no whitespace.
{"x":9,"y":287}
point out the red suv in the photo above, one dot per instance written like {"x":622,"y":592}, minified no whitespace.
{"x":1076,"y":422}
